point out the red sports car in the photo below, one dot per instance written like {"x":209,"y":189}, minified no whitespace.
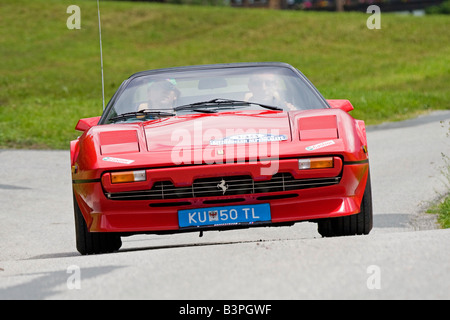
{"x":218,"y":147}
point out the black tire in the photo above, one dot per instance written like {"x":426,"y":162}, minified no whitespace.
{"x":93,"y":242}
{"x":357,"y":224}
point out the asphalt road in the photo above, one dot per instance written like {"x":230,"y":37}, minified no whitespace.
{"x":404,"y":257}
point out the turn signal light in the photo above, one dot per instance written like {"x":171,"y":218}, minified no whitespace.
{"x":315,"y":163}
{"x":128,"y":176}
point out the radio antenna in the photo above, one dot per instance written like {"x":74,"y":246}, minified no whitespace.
{"x":101,"y":53}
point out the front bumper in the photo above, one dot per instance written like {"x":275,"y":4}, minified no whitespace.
{"x":106,"y":207}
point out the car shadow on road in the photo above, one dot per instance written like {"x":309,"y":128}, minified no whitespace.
{"x":406,"y":221}
{"x":391,"y":220}
{"x":198,"y":244}
{"x":153,"y":247}
{"x":381,"y":221}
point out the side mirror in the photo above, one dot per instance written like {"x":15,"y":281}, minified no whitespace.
{"x":86,"y":123}
{"x":340,"y":104}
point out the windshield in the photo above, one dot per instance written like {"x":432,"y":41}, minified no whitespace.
{"x":212,"y":90}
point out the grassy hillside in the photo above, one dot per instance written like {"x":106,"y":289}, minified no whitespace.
{"x":50,"y":76}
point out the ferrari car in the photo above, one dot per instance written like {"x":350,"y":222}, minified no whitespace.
{"x":218,"y":147}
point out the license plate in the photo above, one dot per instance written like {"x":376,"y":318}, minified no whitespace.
{"x":224,"y":215}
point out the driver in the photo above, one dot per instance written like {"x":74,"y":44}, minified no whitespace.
{"x":162,"y":95}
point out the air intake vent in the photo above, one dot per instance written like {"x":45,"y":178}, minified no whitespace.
{"x":223,"y":186}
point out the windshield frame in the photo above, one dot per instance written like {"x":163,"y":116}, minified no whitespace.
{"x":123,"y":87}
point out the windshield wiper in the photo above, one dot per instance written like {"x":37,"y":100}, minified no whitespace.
{"x":141,"y":114}
{"x":222,"y":103}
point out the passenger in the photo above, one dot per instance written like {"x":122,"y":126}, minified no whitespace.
{"x":264,"y":89}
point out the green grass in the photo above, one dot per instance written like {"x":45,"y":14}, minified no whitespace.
{"x":442,"y":210}
{"x":50,"y":76}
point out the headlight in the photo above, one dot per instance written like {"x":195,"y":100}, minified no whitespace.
{"x":128,"y":176}
{"x":315,"y":163}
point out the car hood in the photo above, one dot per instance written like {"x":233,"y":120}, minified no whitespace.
{"x":216,"y":130}
{"x":224,"y":137}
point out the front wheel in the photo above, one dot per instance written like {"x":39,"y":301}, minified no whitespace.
{"x":360,"y":223}
{"x":93,"y":242}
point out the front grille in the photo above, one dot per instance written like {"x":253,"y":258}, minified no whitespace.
{"x":214,"y":187}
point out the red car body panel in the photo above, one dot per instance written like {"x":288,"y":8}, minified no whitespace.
{"x":152,"y":146}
